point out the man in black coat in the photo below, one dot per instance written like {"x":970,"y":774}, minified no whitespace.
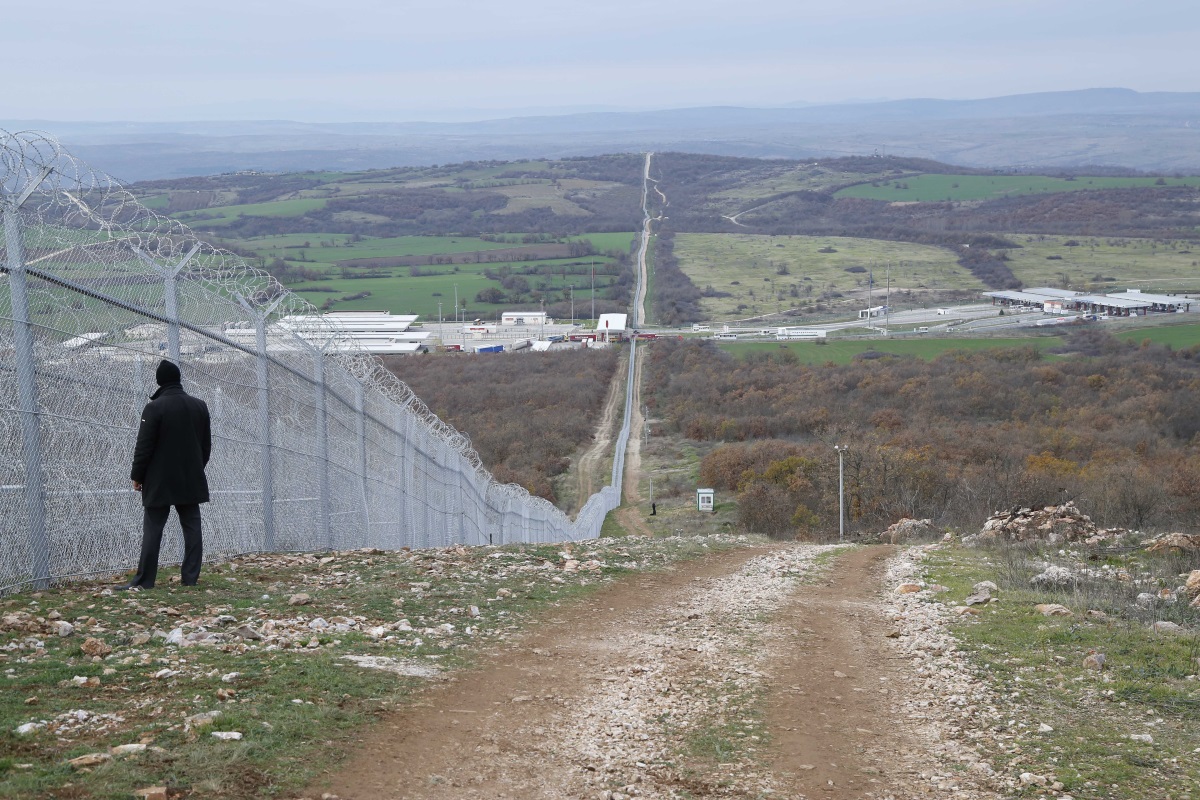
{"x":173,"y":445}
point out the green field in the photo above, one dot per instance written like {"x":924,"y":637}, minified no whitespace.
{"x":223,"y":215}
{"x":843,"y":351}
{"x":790,"y":178}
{"x":936,"y":188}
{"x":1179,"y":337}
{"x":403,"y":294}
{"x":1151,"y":266}
{"x":747,"y":267}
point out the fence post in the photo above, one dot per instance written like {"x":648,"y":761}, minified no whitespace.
{"x":322,"y":446}
{"x":360,"y":424}
{"x":400,"y":492}
{"x":170,"y":295}
{"x":27,"y":395}
{"x":264,"y":415}
{"x":264,"y":427}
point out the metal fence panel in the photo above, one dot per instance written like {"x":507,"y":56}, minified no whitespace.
{"x":314,"y":446}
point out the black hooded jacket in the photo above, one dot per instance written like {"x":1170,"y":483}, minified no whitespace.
{"x":173,"y":445}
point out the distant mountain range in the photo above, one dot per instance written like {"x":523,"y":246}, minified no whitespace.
{"x":1153,"y":131}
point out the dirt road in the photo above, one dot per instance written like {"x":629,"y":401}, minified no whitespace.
{"x":655,"y":687}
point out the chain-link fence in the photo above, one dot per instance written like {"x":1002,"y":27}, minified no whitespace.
{"x":315,"y":446}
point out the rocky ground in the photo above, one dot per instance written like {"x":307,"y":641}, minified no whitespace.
{"x":794,"y":671}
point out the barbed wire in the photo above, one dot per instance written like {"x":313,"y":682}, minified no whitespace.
{"x":307,"y":423}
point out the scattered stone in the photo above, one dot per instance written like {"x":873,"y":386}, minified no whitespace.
{"x":963,"y":611}
{"x":1052,"y":524}
{"x":63,"y":628}
{"x":1142,"y":737}
{"x":908,"y":588}
{"x":227,"y":736}
{"x":979,"y":598}
{"x":1053,"y":610}
{"x":246,"y":632}
{"x":95,"y":648}
{"x":1032,"y":779}
{"x":985,"y":586}
{"x":151,"y":793}
{"x":139,"y":639}
{"x":410,"y":668}
{"x":1192,"y":584}
{"x":176,"y":637}
{"x":127,"y":749}
{"x":839,"y":674}
{"x":1054,"y":578}
{"x":30,"y":727}
{"x":1044,"y":728}
{"x":300,"y":599}
{"x":1166,"y":627}
{"x":1173,"y":542}
{"x":1094,"y":660}
{"x":200,"y":720}
{"x":89,"y":760}
{"x":907,"y":529}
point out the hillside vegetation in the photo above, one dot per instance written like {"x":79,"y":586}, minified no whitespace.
{"x":525,"y":413}
{"x":954,"y":438}
{"x":755,"y":236}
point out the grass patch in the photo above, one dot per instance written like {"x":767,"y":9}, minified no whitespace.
{"x":747,"y":268}
{"x":834,"y":351}
{"x":1035,"y":664}
{"x":1179,"y":337}
{"x":1105,"y":264}
{"x":931,"y":188}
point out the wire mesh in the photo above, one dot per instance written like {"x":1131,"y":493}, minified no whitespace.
{"x":315,"y":445}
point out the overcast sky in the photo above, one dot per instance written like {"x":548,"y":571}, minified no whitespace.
{"x":388,"y":60}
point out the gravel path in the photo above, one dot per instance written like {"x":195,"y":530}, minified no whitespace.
{"x":756,"y":673}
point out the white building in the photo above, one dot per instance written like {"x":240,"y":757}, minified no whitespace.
{"x":525,"y":318}
{"x":611,"y":325}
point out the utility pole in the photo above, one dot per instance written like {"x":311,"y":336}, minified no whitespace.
{"x":887,"y":303}
{"x":593,"y":291}
{"x":841,"y":450}
{"x":572,"y":305}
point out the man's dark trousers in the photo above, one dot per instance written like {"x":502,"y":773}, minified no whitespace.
{"x":153,"y":521}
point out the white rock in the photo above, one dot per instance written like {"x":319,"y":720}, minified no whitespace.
{"x":227,"y":736}
{"x":176,"y":637}
{"x":1142,"y":737}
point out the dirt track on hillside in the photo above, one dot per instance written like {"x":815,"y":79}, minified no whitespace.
{"x":629,"y":693}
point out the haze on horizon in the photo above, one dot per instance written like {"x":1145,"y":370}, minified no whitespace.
{"x":374,"y":60}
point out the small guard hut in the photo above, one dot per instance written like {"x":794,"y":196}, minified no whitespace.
{"x":704,"y":500}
